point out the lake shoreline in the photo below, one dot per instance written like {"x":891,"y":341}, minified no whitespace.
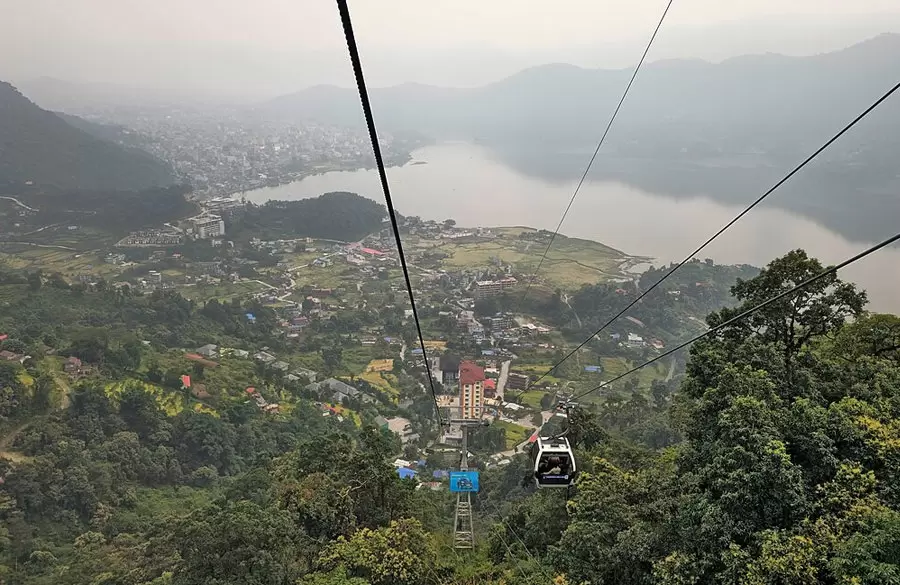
{"x":472,"y":185}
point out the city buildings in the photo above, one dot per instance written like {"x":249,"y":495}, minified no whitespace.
{"x":445,"y":369}
{"x":634,"y":340}
{"x":471,"y":389}
{"x":491,"y":288}
{"x":207,"y":225}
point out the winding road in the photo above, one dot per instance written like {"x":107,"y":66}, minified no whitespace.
{"x":17,"y":202}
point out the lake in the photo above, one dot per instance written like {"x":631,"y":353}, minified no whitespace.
{"x":477,"y":187}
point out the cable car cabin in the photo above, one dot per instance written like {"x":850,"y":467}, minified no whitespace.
{"x":554,"y":463}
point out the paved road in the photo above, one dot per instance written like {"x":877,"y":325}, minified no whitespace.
{"x":17,"y":202}
{"x":290,"y":290}
{"x":504,"y":374}
{"x":42,"y":245}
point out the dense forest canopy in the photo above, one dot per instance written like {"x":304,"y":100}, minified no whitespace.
{"x":116,"y":212}
{"x":338,"y":215}
{"x":786,"y":471}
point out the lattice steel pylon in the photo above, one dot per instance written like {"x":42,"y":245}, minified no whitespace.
{"x":463,"y":531}
{"x":463,"y":527}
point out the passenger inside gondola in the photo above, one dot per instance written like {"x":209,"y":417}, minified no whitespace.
{"x":554,"y":465}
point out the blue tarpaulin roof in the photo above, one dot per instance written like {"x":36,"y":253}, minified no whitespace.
{"x":405,"y":473}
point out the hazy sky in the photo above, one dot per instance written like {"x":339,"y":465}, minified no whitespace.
{"x":265,"y":47}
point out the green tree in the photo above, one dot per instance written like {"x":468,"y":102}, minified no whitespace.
{"x":790,"y":324}
{"x":398,"y":554}
{"x":237,"y":543}
{"x":331,"y":357}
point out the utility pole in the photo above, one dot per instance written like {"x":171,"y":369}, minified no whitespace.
{"x":463,"y":528}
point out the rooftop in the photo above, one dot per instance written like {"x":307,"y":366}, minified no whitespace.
{"x":470,"y":373}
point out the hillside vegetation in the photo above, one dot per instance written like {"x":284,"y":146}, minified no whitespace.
{"x":338,"y":215}
{"x":773,"y":461}
{"x":41,"y":147}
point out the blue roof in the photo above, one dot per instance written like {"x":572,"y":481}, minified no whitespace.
{"x":417,"y":351}
{"x":421,"y":463}
{"x":593,"y":368}
{"x":487,"y":352}
{"x":440,"y":474}
{"x":405,"y":473}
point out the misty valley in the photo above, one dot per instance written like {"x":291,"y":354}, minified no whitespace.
{"x":576,"y":325}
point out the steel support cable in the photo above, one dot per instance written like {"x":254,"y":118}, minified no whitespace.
{"x":531,"y":556}
{"x":584,"y":175}
{"x":747,"y":313}
{"x":511,"y":555}
{"x":722,"y":230}
{"x":385,"y":187}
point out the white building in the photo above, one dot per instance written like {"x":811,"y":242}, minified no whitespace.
{"x":208,"y":225}
{"x":634,"y":340}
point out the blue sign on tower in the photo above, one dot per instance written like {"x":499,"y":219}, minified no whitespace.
{"x":463,"y":481}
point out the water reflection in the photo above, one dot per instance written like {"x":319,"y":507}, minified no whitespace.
{"x":659,"y":218}
{"x":850,"y":201}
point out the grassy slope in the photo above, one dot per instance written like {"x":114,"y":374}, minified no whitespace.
{"x":570,"y":263}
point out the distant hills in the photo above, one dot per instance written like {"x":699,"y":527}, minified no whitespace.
{"x":677,"y":108}
{"x":40,"y":146}
{"x":689,"y":128}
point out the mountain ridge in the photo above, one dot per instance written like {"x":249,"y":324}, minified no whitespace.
{"x":40,"y":147}
{"x":569,"y":102}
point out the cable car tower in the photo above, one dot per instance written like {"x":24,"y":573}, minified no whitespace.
{"x":463,"y":527}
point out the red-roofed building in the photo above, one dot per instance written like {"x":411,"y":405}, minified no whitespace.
{"x":490,"y":388}
{"x":371,"y":251}
{"x":471,"y":389}
{"x":4,"y":337}
{"x":185,"y":381}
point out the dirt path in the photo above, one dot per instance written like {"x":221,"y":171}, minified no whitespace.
{"x":63,"y":384}
{"x":671,"y":370}
{"x":7,"y":440}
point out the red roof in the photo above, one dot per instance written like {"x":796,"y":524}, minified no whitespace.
{"x":470,"y":373}
{"x":533,"y":437}
{"x":372,"y":251}
{"x":250,"y":390}
{"x":186,"y":381}
{"x":3,"y":337}
{"x":490,"y":384}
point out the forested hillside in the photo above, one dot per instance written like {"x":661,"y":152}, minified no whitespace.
{"x":772,"y":460}
{"x":780,"y":465}
{"x":40,"y":147}
{"x":338,"y":215}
